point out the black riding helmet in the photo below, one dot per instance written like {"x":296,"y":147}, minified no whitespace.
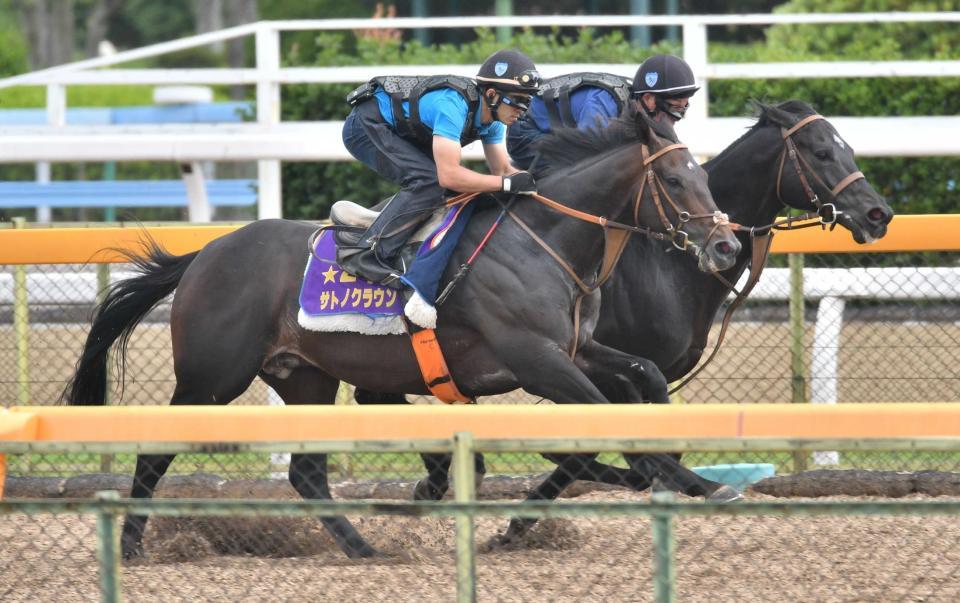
{"x":509,"y":71}
{"x":664,"y":76}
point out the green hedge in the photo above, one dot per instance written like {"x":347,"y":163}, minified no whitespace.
{"x":911,"y":185}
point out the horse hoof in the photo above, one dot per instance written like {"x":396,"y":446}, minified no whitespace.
{"x":725,"y":495}
{"x":132,"y":552}
{"x":362,"y":552}
{"x":423,"y":490}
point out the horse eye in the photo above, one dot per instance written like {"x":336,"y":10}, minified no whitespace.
{"x":673,"y":181}
{"x":822,"y":155}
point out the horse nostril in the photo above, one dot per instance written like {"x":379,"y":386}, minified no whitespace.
{"x":724,"y":248}
{"x":878,"y":215}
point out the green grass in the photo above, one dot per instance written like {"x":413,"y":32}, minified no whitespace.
{"x":34,"y":97}
{"x":408,"y":466}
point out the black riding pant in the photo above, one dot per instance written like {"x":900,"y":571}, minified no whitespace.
{"x":369,"y":138}
{"x":522,"y":138}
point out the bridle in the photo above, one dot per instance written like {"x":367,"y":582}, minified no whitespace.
{"x":761,"y":237}
{"x":827,"y":212}
{"x":616,"y":234}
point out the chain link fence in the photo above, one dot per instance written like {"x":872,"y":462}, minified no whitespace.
{"x":224,"y":529}
{"x":876,"y":328}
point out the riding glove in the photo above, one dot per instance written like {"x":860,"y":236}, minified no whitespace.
{"x":521,"y":183}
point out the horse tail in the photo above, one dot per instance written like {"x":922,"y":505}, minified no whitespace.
{"x":126,"y":303}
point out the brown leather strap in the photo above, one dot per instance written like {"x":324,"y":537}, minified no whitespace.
{"x":563,"y":263}
{"x":760,"y":249}
{"x":434,"y":369}
{"x":787,"y":133}
{"x":846,"y":182}
{"x":614,"y":242}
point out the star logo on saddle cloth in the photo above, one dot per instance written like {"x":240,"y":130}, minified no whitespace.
{"x":330,"y":275}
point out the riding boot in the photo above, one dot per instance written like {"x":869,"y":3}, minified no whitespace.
{"x":363,"y":262}
{"x":348,"y":237}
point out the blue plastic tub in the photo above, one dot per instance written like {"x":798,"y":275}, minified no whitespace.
{"x":738,"y":475}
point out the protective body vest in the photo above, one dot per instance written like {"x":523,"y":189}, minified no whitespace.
{"x":556,"y":94}
{"x":411,"y":88}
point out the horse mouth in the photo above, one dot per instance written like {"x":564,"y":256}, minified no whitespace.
{"x":706,"y":263}
{"x":865,"y":231}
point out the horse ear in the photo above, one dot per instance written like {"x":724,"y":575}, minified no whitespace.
{"x":644,"y":128}
{"x":779,"y":116}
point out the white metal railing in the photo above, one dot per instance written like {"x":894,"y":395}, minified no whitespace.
{"x":268,"y":141}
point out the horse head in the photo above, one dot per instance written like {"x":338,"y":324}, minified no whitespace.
{"x":817,"y":171}
{"x":672,"y":190}
{"x":637,"y":174}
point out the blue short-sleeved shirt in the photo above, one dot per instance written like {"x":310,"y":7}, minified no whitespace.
{"x":591,"y":106}
{"x":444,"y":112}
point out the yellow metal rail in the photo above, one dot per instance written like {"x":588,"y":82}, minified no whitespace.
{"x":526,"y":422}
{"x":937,"y":232}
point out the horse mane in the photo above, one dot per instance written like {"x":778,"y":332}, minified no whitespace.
{"x":780,"y":115}
{"x":565,"y":147}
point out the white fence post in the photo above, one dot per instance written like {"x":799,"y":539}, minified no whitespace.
{"x":695,"y":54}
{"x":824,"y":362}
{"x":56,"y":116}
{"x":268,"y":114}
{"x":278,"y":460}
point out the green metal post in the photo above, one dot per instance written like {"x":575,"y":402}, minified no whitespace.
{"x":798,"y":381}
{"x":504,"y":8}
{"x":640,"y":34}
{"x":464,"y":475}
{"x":664,"y":572}
{"x":419,"y":9}
{"x":21,"y":326}
{"x":673,"y":31}
{"x":108,"y":550}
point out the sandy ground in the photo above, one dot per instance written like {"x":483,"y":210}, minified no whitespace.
{"x":875,"y":558}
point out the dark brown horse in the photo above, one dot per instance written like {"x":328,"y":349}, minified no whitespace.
{"x":510,"y":325}
{"x":657,"y":305}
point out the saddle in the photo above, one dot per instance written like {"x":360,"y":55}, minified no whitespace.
{"x":332,"y":299}
{"x":351,"y":220}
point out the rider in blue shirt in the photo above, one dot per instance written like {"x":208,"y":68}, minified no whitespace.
{"x":662,"y":87}
{"x":413,"y":134}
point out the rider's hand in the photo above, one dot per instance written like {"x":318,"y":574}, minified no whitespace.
{"x":521,"y":183}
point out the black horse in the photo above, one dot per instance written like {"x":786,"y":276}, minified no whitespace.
{"x":509,"y":325}
{"x":657,"y":305}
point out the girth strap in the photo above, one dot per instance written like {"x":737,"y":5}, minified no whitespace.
{"x":434,"y":368}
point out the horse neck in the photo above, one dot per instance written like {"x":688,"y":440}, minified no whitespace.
{"x":604,"y":188}
{"x":743,"y":181}
{"x":743,"y":178}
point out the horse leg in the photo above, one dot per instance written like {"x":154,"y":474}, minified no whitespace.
{"x":554,"y":376}
{"x":568,"y":468}
{"x":152,"y":467}
{"x":437,"y":481}
{"x":308,"y":472}
{"x":633,"y":379}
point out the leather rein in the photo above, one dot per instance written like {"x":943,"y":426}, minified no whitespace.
{"x":761,"y":237}
{"x":616,"y":234}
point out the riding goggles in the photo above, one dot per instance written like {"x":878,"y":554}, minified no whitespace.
{"x":520,"y":103}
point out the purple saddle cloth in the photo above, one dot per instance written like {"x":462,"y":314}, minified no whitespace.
{"x":328,"y":290}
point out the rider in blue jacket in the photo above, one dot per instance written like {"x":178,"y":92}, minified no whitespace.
{"x":662,"y":87}
{"x":410,"y":130}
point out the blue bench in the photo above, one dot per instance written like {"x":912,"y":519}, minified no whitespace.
{"x":128,"y":193}
{"x":123,"y":193}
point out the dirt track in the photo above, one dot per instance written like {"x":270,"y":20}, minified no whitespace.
{"x":721,"y":559}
